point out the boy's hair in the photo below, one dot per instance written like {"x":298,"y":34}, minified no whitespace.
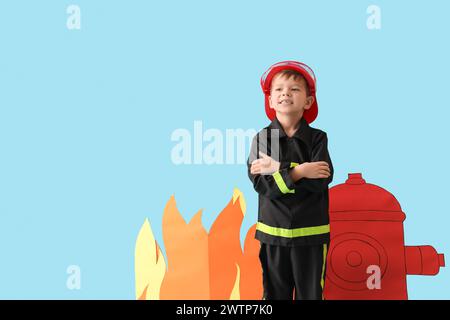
{"x":296,"y":75}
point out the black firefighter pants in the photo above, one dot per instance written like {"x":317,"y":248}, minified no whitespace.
{"x":302,"y":268}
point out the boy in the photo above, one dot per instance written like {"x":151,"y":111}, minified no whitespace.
{"x":291,"y":177}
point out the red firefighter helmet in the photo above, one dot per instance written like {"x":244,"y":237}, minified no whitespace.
{"x":266,"y":81}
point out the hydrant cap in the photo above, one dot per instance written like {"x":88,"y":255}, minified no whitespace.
{"x":365,"y":200}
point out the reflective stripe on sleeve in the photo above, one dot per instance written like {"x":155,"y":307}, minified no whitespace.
{"x":281,"y":184}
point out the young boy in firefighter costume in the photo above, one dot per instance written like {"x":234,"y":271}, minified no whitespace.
{"x":290,"y":168}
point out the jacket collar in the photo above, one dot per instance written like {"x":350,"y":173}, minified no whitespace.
{"x":303,"y":133}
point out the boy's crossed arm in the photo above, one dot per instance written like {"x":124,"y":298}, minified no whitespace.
{"x":273,"y":179}
{"x":311,"y":170}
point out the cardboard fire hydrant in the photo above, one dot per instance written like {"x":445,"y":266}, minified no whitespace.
{"x":367,"y":258}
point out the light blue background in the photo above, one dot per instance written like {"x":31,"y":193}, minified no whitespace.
{"x":86,"y":118}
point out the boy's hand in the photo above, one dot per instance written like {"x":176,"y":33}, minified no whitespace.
{"x":266,"y":165}
{"x":313,"y":170}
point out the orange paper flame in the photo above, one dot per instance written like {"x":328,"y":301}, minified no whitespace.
{"x":202,"y":266}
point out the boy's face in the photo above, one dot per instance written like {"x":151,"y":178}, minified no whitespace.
{"x":289,"y":96}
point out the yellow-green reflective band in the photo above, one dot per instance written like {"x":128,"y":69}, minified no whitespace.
{"x":294,"y":164}
{"x":322,"y":280}
{"x":281,"y":184}
{"x":292,"y":233}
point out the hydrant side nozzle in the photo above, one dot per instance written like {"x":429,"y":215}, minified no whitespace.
{"x":423,"y":260}
{"x":441,"y":260}
{"x":413,"y":260}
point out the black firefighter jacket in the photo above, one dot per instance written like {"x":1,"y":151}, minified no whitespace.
{"x":291,"y":213}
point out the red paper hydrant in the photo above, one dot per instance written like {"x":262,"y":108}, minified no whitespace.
{"x":367,"y":258}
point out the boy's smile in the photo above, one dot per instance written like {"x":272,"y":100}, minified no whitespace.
{"x":289,"y":96}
